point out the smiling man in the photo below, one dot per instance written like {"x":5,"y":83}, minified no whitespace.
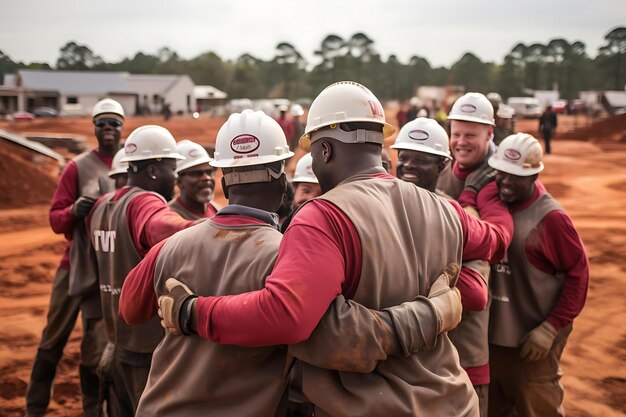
{"x":538,"y":289}
{"x":471,"y":130}
{"x":74,"y":289}
{"x":196,"y":182}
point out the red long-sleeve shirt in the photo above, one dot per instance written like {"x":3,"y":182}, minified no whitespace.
{"x":319,"y":258}
{"x":555,"y":246}
{"x":61,"y":218}
{"x":138,"y":301}
{"x":150,"y":219}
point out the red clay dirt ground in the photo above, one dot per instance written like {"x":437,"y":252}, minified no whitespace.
{"x":586,"y":173}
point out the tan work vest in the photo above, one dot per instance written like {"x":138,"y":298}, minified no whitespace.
{"x":116,"y":255}
{"x":522,"y":296}
{"x":176,"y":207}
{"x":408,"y":236}
{"x":191,"y":376}
{"x":470,"y":336}
{"x":93,"y":181}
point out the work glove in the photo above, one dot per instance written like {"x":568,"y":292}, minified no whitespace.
{"x":82,"y":206}
{"x":538,"y":342}
{"x":482,"y":176}
{"x":418,"y":323}
{"x":175,"y":308}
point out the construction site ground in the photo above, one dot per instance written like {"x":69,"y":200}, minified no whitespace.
{"x":586,"y":172}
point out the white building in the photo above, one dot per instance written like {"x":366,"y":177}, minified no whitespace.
{"x":74,"y":93}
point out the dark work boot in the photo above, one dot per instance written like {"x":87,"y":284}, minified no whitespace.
{"x":39,"y":387}
{"x":90,"y":387}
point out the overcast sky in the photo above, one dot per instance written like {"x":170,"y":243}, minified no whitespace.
{"x":440,"y":31}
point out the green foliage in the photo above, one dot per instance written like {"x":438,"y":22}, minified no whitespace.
{"x":559,"y":64}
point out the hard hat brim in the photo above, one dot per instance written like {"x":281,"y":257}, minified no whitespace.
{"x":472,"y":120}
{"x":256,"y":160}
{"x":513,"y":169}
{"x":195,"y":163}
{"x":172,"y":155}
{"x":420,"y":148}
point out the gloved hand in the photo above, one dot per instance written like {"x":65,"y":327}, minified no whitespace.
{"x":418,"y":323}
{"x":82,"y":206}
{"x":175,"y":308}
{"x":537,"y":343}
{"x":482,"y":176}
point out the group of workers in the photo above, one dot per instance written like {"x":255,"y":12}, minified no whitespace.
{"x":447,"y":290}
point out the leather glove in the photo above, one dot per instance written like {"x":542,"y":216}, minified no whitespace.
{"x":537,"y":343}
{"x":175,"y":308}
{"x":418,"y":323}
{"x":482,"y":176}
{"x":82,"y":206}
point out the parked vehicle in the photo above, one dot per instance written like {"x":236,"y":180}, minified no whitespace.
{"x":525,"y":107}
{"x":45,"y":112}
{"x":21,"y":115}
{"x":559,"y":106}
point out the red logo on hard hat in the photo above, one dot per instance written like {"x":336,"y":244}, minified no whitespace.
{"x":194,"y":153}
{"x":512,"y":154}
{"x":130,"y":148}
{"x":245,"y":143}
{"x":418,"y":134}
{"x":376,"y":108}
{"x":468,"y":108}
{"x":107,"y":106}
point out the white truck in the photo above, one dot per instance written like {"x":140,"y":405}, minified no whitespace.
{"x":526,"y":107}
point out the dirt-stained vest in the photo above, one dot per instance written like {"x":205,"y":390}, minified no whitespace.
{"x":176,"y":207}
{"x":116,"y":255}
{"x":198,"y":377}
{"x":470,"y":336}
{"x":408,"y":236}
{"x":522,"y":295}
{"x":93,"y":181}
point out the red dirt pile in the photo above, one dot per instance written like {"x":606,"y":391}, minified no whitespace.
{"x":609,"y":130}
{"x":21,"y":183}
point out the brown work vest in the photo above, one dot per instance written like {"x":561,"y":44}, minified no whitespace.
{"x":116,"y":255}
{"x":191,"y":376}
{"x":523,"y":296}
{"x":470,"y":336}
{"x":93,"y":181}
{"x":408,"y":237}
{"x":176,"y":207}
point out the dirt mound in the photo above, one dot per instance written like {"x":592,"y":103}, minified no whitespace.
{"x":609,"y":130}
{"x":22,"y":184}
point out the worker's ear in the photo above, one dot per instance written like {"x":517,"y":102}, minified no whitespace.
{"x":224,"y":188}
{"x":151,"y":171}
{"x":441,"y":165}
{"x":327,"y":151}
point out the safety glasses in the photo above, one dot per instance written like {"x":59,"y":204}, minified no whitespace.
{"x":111,"y":122}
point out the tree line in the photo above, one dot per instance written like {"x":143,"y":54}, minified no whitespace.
{"x":557,"y":64}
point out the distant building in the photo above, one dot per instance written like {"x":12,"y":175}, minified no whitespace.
{"x":208,"y":97}
{"x":74,"y":93}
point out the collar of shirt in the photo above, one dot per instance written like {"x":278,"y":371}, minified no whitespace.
{"x":238,"y":210}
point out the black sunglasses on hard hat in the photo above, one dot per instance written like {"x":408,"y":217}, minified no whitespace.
{"x":198,"y":172}
{"x":111,"y":122}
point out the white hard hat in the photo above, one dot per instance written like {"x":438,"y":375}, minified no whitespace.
{"x":494,"y":98}
{"x":108,"y":105}
{"x":505,"y":112}
{"x":150,"y":142}
{"x":345,"y":102}
{"x":304,"y":170}
{"x":297,"y":110}
{"x":423,"y":135}
{"x":194,"y":155}
{"x":518,"y":154}
{"x":472,"y":107}
{"x":117,"y":166}
{"x":250,"y":138}
{"x":422,"y":113}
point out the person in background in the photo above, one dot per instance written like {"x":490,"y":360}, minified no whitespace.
{"x":75,"y":287}
{"x":195,"y":181}
{"x":547,"y":126}
{"x":538,"y":289}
